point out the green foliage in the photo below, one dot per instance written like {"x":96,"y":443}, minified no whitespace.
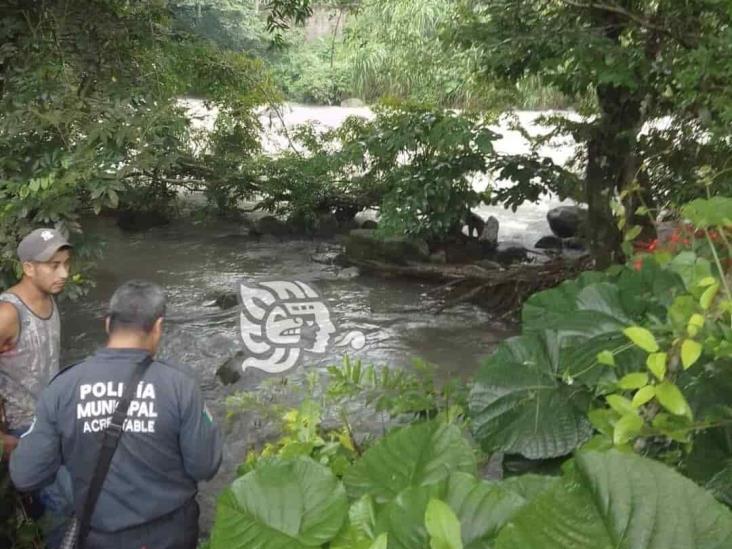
{"x":412,"y":163}
{"x":656,"y":123}
{"x":287,"y":504}
{"x":312,"y":71}
{"x":413,"y":392}
{"x":297,"y":503}
{"x":634,"y":350}
{"x":518,"y":403}
{"x":429,"y":452}
{"x":595,"y":506}
{"x":232,"y":24}
{"x":91,"y":118}
{"x":17,"y":530}
{"x":393,"y":50}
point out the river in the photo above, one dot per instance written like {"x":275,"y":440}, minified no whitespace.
{"x":197,"y":260}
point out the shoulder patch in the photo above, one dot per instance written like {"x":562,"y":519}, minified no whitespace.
{"x":207,"y":414}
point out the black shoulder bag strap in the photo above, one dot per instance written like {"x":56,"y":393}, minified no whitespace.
{"x":111,"y":438}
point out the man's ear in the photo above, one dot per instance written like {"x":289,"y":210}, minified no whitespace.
{"x":158,"y":326}
{"x":29,"y":269}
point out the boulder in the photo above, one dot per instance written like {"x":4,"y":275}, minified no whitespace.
{"x":489,"y":236}
{"x":230,"y":371}
{"x":353,"y":102}
{"x":549,"y":242}
{"x":567,"y":221}
{"x":510,"y":252}
{"x":227,"y":300}
{"x":365,"y":245}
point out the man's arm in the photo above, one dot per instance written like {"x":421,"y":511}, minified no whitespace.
{"x":199,"y":438}
{"x":35,"y":461}
{"x":9,"y":331}
{"x":9,"y":326}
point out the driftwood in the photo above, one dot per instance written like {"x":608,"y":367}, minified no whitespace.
{"x":500,"y":290}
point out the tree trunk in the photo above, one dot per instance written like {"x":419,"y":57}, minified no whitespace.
{"x":612,"y":161}
{"x":611,"y":166}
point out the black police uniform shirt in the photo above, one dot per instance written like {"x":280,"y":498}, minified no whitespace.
{"x":169,"y":442}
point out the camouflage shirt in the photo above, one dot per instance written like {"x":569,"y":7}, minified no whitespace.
{"x":27,"y":368}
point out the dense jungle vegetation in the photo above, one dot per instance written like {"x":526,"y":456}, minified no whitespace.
{"x":610,"y":414}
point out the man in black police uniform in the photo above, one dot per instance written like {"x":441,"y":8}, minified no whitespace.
{"x":169,"y":442}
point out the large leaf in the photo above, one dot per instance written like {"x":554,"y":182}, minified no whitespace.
{"x":721,"y":484}
{"x":709,"y":212}
{"x":519,"y":406}
{"x":593,"y":322}
{"x":358,"y":532}
{"x":280,"y":505}
{"x":613,"y":500}
{"x":403,"y":518}
{"x":481,"y":507}
{"x":529,"y":486}
{"x":442,"y":526}
{"x":578,"y":358}
{"x":544,"y":309}
{"x":416,"y":455}
{"x":650,"y":290}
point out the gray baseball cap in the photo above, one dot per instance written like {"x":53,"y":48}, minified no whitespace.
{"x":41,"y":244}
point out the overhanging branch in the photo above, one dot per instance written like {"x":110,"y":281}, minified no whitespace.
{"x":639,"y":20}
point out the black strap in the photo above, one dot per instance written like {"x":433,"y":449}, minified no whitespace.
{"x":111,"y":438}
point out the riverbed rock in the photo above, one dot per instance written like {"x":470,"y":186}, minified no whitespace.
{"x":549,"y":242}
{"x":510,"y":252}
{"x":353,"y":102}
{"x":270,"y":225}
{"x":489,"y":236}
{"x":134,"y":220}
{"x":567,"y":221}
{"x":227,"y":300}
{"x":347,"y":273}
{"x":365,"y":245}
{"x":325,"y":258}
{"x":230,"y":371}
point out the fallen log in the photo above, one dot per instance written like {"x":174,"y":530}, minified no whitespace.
{"x":500,"y":290}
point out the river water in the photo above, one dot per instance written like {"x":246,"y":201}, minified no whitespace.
{"x":197,"y":260}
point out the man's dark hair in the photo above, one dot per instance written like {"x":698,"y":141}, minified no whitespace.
{"x":136,"y":305}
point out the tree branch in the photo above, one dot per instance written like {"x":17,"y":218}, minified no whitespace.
{"x":642,"y":21}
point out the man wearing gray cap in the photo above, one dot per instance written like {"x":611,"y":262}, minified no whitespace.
{"x":29,"y":347}
{"x":29,"y":326}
